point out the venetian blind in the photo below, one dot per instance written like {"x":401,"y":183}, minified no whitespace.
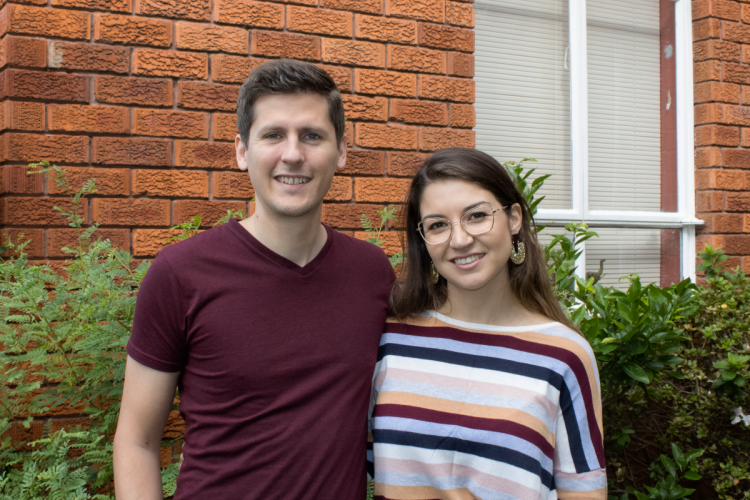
{"x":624,"y":115}
{"x":522,"y":88}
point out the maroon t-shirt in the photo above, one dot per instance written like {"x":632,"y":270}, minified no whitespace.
{"x":275,"y":359}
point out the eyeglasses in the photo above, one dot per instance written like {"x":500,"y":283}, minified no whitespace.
{"x":475,"y":221}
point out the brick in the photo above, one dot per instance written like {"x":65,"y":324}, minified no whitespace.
{"x":171,"y":183}
{"x":705,"y":29}
{"x":131,"y":30}
{"x":446,"y":37}
{"x":426,"y":10}
{"x":719,"y":135}
{"x":341,"y":76}
{"x":349,"y":133}
{"x":736,"y":158}
{"x":152,"y":62}
{"x":738,"y":202}
{"x":446,"y":88}
{"x":168,"y":123}
{"x":249,"y":13}
{"x":42,"y":21}
{"x":431,"y":139}
{"x":721,"y":223}
{"x":745,"y":13}
{"x":708,"y":113}
{"x":710,"y":201}
{"x":462,"y":116}
{"x":55,"y":149}
{"x":138,"y":91}
{"x":320,"y":21}
{"x":745,"y":94}
{"x":717,"y":91}
{"x":368,"y":6}
{"x":707,"y":70}
{"x":416,"y":59}
{"x":389,"y":83}
{"x":85,"y":118}
{"x":47,"y":86}
{"x":348,"y":216}
{"x":718,"y":49}
{"x":127,"y":151}
{"x":210,"y":96}
{"x":198,"y":154}
{"x":148,"y":242}
{"x":109,"y":181}
{"x":375,"y":135}
{"x":378,"y":190}
{"x":725,"y":9}
{"x":391,"y":241}
{"x":233,"y":185}
{"x":363,"y":162}
{"x":267,"y":43}
{"x":233,"y":69}
{"x":196,"y":36}
{"x":198,"y":10}
{"x":108,"y":5}
{"x":745,"y":137}
{"x":20,"y":434}
{"x":70,"y":423}
{"x":126,"y":212}
{"x":737,"y":244}
{"x":353,"y":52}
{"x":460,"y":64}
{"x":224,"y":127}
{"x":746,"y":225}
{"x":730,"y":180}
{"x":34,"y":239}
{"x":420,"y":112}
{"x":707,"y":157}
{"x":736,"y":73}
{"x":22,"y":51}
{"x":57,"y":239}
{"x":700,"y":9}
{"x":38,"y":211}
{"x":210,"y":211}
{"x":405,"y":164}
{"x":384,"y":29}
{"x":18,"y":180}
{"x":341,"y":189}
{"x":27,"y":116}
{"x":359,"y":107}
{"x":87,"y":57}
{"x":459,"y":14}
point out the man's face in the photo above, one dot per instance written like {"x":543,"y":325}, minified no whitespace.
{"x":291,"y":153}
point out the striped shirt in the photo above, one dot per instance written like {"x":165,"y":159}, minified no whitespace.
{"x":464,"y":410}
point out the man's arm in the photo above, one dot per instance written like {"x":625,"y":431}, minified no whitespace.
{"x":146,"y":402}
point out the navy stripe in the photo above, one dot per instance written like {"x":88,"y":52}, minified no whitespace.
{"x":473,"y":361}
{"x":484,"y":450}
{"x":574,"y":433}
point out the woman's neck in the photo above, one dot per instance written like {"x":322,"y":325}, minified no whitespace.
{"x":493,"y":304}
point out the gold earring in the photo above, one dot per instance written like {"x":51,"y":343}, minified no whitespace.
{"x":518,"y":251}
{"x":434,"y":275}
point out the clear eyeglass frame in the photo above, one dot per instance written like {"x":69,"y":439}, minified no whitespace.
{"x":462,"y":220}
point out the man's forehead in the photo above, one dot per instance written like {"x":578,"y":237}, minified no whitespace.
{"x":294,"y":110}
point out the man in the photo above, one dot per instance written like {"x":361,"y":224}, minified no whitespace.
{"x":269,"y":327}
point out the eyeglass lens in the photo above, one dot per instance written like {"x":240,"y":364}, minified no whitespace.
{"x":476,"y":221}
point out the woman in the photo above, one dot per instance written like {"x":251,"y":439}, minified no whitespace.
{"x":483,"y":388}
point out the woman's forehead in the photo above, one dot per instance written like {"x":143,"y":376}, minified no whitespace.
{"x":450,"y":197}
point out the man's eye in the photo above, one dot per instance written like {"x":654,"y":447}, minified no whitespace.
{"x":312,"y":136}
{"x":273,"y":136}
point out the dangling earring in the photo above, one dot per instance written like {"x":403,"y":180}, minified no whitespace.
{"x":434,"y":275}
{"x":518,"y":252}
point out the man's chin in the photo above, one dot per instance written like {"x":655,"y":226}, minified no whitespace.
{"x":295,"y":209}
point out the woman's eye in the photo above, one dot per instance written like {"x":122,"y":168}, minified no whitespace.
{"x":477,"y":215}
{"x":436,"y":225}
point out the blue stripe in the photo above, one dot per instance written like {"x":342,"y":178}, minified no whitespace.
{"x":442,"y":483}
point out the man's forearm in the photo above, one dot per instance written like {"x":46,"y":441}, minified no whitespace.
{"x":137,"y":472}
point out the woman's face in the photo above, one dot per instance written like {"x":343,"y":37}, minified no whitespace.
{"x":469,"y":262}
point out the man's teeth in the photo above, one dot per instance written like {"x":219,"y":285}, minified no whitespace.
{"x":469,"y":259}
{"x":293,"y":180}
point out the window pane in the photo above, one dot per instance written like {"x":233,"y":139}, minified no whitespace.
{"x":522,"y":88}
{"x":653,"y":254}
{"x":624,"y":110}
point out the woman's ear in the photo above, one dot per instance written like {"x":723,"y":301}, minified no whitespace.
{"x":515,"y":218}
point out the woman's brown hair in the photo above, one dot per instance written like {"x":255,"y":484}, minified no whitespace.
{"x":530,"y":283}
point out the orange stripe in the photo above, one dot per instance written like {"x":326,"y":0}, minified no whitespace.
{"x":421,"y":493}
{"x":582,"y":495}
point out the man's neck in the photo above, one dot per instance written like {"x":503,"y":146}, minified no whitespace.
{"x":298,"y":239}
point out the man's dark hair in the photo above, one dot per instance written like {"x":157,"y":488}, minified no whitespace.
{"x":287,"y":76}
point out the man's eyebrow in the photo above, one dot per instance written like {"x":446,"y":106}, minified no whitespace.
{"x":475,"y":205}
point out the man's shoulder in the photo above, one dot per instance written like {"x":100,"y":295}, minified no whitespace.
{"x":204,"y":245}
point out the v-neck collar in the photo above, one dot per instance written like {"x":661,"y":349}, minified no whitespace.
{"x":255,"y":245}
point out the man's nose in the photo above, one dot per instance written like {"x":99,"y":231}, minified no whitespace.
{"x":292,"y":152}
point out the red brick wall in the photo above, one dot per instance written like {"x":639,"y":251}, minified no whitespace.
{"x":140,"y":94}
{"x":721,"y":33}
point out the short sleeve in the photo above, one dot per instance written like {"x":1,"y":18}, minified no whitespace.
{"x":579,"y":467}
{"x":159,"y":338}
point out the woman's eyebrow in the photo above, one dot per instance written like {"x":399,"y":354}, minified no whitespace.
{"x":475,"y":205}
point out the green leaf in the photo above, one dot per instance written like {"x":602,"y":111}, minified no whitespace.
{"x":635,"y":372}
{"x":692,"y":475}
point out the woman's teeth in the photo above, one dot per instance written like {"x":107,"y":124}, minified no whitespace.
{"x":468,"y":260}
{"x":293,"y":180}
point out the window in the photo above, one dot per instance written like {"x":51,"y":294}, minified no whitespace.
{"x":600,"y":93}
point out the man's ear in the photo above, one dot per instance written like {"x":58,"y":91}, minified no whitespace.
{"x":341,"y":162}
{"x":241,"y":152}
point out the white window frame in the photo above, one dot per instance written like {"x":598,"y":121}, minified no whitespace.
{"x":684,"y":218}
